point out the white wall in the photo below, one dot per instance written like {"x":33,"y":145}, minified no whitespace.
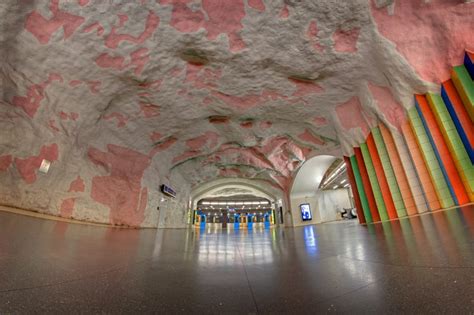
{"x":324,"y":205}
{"x":296,"y":200}
{"x":330,"y":201}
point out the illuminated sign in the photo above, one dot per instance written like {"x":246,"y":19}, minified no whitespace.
{"x":168,"y":191}
{"x":306,"y":212}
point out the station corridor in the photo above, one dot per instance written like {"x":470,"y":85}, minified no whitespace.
{"x":421,"y":264}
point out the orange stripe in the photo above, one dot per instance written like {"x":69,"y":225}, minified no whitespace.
{"x":386,"y":194}
{"x":420,"y":167}
{"x":367,"y":187}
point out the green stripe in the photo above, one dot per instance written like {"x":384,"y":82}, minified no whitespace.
{"x":360,"y":188}
{"x":374,"y":182}
{"x":389,"y":173}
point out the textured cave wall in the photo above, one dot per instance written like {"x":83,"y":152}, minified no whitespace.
{"x":123,"y":96}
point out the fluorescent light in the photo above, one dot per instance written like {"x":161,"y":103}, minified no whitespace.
{"x":343,"y":181}
{"x":346,"y":185}
{"x":206,"y":203}
{"x":334,"y":187}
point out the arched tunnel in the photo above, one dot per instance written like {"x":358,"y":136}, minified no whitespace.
{"x":236,"y":156}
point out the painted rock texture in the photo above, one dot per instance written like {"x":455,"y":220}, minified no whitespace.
{"x":123,"y":96}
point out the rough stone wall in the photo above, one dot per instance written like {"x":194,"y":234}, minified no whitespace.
{"x":122,"y":96}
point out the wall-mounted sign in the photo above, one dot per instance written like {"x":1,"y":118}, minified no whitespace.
{"x":168,"y":191}
{"x":44,"y":167}
{"x":306,"y":212}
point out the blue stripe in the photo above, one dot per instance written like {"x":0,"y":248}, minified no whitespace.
{"x":438,"y":157}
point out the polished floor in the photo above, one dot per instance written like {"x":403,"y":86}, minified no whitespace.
{"x":423,"y":264}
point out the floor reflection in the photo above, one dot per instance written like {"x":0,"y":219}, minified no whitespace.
{"x":304,"y":268}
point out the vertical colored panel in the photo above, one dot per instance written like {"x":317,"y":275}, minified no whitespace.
{"x":355,"y":191}
{"x":366,"y":182}
{"x":460,"y":117}
{"x":469,"y":63}
{"x":386,"y":194}
{"x":456,"y":148}
{"x":465,"y":87}
{"x":431,"y":162}
{"x":398,"y":170}
{"x":374,"y":182}
{"x":410,"y":173}
{"x":421,"y":170}
{"x":360,"y":188}
{"x":389,"y":174}
{"x":425,"y":110}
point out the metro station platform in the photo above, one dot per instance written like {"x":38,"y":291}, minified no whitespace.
{"x":420,"y":264}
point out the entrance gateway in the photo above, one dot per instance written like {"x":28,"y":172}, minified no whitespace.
{"x":235,"y":213}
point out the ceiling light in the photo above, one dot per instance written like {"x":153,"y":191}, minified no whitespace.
{"x":343,"y":181}
{"x":334,"y":187}
{"x":346,"y":185}
{"x":206,"y":203}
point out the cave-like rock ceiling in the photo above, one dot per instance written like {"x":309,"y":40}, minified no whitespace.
{"x":124,"y":95}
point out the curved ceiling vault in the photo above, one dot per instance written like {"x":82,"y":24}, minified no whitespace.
{"x":121,"y":97}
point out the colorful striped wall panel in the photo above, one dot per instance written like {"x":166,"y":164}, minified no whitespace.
{"x":385,"y":190}
{"x":410,"y":172}
{"x":460,"y":116}
{"x":374,"y":182}
{"x":367,"y":187}
{"x":398,"y":170}
{"x":421,"y":169}
{"x":360,"y":187}
{"x":441,"y":150}
{"x":355,"y":191}
{"x":465,"y":87}
{"x":389,"y":174}
{"x":469,"y":63}
{"x":431,"y":162}
{"x":456,"y":148}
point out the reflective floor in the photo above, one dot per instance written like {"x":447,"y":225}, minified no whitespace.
{"x":417,"y":265}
